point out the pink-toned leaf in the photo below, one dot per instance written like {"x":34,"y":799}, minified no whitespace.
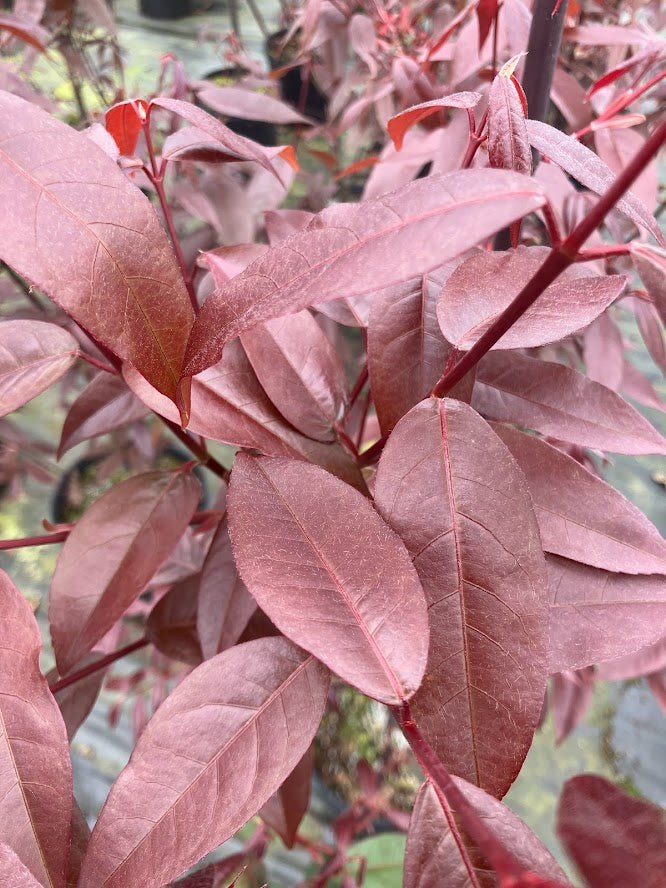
{"x":657,"y":684}
{"x":650,"y":263}
{"x":484,"y":579}
{"x":33,"y":355}
{"x":650,"y":658}
{"x":110,"y":555}
{"x":614,"y":839}
{"x":616,"y":147}
{"x":104,"y":405}
{"x":301,"y":373}
{"x":555,"y":400}
{"x":440,"y":852}
{"x":195,"y":144}
{"x":406,"y":348}
{"x":77,"y":700}
{"x":584,"y":165}
{"x":484,"y":285}
{"x":13,"y":872}
{"x":580,"y":516}
{"x":603,"y":351}
{"x":363,"y":40}
{"x":508,"y":143}
{"x":285,"y":809}
{"x":652,"y":331}
{"x":607,"y":35}
{"x":91,"y":241}
{"x":214,"y":752}
{"x":215,"y":875}
{"x":570,"y":698}
{"x":172,"y":624}
{"x":124,"y":122}
{"x":80,"y":839}
{"x":225,"y":605}
{"x":584,"y":607}
{"x":349,"y":250}
{"x":486,"y":10}
{"x":401,"y":123}
{"x":186,"y":558}
{"x":650,"y":54}
{"x":351,"y":596}
{"x":233,"y":101}
{"x":280,"y":224}
{"x":225,"y":263}
{"x":35,"y":770}
{"x":29,"y":32}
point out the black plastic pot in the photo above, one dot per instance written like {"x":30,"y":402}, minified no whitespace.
{"x":165,"y":9}
{"x":258,"y":130}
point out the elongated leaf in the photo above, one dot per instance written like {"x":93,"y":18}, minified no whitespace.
{"x":77,"y":700}
{"x":401,"y":123}
{"x":214,"y":752}
{"x":570,"y":697}
{"x":172,"y":624}
{"x":648,"y":660}
{"x":484,"y":285}
{"x":112,"y":553}
{"x":234,"y":101}
{"x":508,"y":143}
{"x":301,"y":372}
{"x":484,"y":579}
{"x":439,"y":851}
{"x":33,"y":355}
{"x":124,"y":122}
{"x":615,"y":840}
{"x":80,"y":839}
{"x":580,"y":516}
{"x":35,"y":770}
{"x":29,"y":32}
{"x":650,"y":263}
{"x":584,"y":165}
{"x":91,"y":241}
{"x":652,"y":331}
{"x":285,"y":809}
{"x":104,"y":405}
{"x":351,"y":597}
{"x":558,"y":401}
{"x":348,"y":250}
{"x":13,"y":872}
{"x":586,"y":604}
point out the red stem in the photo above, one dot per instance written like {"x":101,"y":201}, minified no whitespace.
{"x":99,"y":364}
{"x":621,"y":103}
{"x":199,"y":450}
{"x":102,"y":663}
{"x":475,"y":140}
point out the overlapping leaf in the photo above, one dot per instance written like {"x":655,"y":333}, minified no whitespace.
{"x":233,"y":101}
{"x":77,"y":700}
{"x":112,"y":553}
{"x":508,"y":144}
{"x":13,"y":872}
{"x":401,"y":123}
{"x":217,"y":748}
{"x":485,"y":584}
{"x":348,"y":250}
{"x":35,"y":770}
{"x":91,"y":241}
{"x":285,"y":809}
{"x":650,"y":263}
{"x":172,"y":624}
{"x":329,"y":573}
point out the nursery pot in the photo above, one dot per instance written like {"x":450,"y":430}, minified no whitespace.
{"x":258,"y":130}
{"x":165,"y":9}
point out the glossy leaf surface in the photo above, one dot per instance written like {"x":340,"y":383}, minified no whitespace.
{"x":112,"y":553}
{"x":213,"y":753}
{"x":329,"y":573}
{"x":485,"y":583}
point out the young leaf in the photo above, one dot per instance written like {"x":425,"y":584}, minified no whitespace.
{"x":615,"y":840}
{"x":555,"y":400}
{"x":91,"y":241}
{"x":570,"y":698}
{"x":329,"y":573}
{"x":348,"y":250}
{"x":172,"y":624}
{"x":482,"y":286}
{"x":35,"y":770}
{"x":12,"y":871}
{"x":580,"y":516}
{"x":484,"y":579}
{"x":124,"y":122}
{"x":214,"y":752}
{"x":285,"y":809}
{"x":112,"y":553}
{"x":33,"y":355}
{"x":401,"y":123}
{"x":508,"y":144}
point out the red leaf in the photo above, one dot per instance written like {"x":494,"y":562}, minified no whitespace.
{"x":192,"y":143}
{"x":285,"y":809}
{"x":585,"y":603}
{"x":508,"y":143}
{"x":172,"y":624}
{"x":351,"y":597}
{"x":486,"y":10}
{"x":33,"y":355}
{"x":112,"y":553}
{"x":401,"y":123}
{"x":651,"y":658}
{"x":124,"y":122}
{"x":234,"y":101}
{"x":35,"y":770}
{"x":91,"y":240}
{"x":651,"y":330}
{"x":614,"y":839}
{"x":348,"y":250}
{"x":484,"y":285}
{"x":484,"y":577}
{"x":440,"y":852}
{"x":80,"y":839}
{"x":650,"y":263}
{"x":570,"y":699}
{"x":580,"y":516}
{"x":77,"y":700}
{"x":12,"y":871}
{"x":584,"y":165}
{"x":558,"y":401}
{"x":214,"y":752}
{"x":27,"y":31}
{"x":616,"y":146}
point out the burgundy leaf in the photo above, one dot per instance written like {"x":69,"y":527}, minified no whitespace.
{"x":406,"y":348}
{"x":172,"y":624}
{"x":486,"y":10}
{"x":112,"y":553}
{"x":124,"y":122}
{"x":615,"y":840}
{"x":77,"y":700}
{"x":651,"y":658}
{"x":348,"y":250}
{"x":329,"y":573}
{"x":27,"y":31}
{"x":192,"y":143}
{"x":104,"y":405}
{"x":584,"y":165}
{"x":91,"y":241}
{"x":484,"y":579}
{"x":558,"y":401}
{"x":508,"y":143}
{"x":13,"y":873}
{"x":35,"y":770}
{"x":652,"y":331}
{"x":300,"y":372}
{"x":584,"y":608}
{"x":439,"y":851}
{"x":483,"y":286}
{"x":570,"y":698}
{"x":80,"y":839}
{"x":214,"y":752}
{"x":650,"y":263}
{"x":285,"y":809}
{"x":401,"y":123}
{"x":33,"y":355}
{"x":580,"y":516}
{"x":233,"y":101}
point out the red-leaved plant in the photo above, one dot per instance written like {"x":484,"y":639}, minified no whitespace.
{"x":414,"y":507}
